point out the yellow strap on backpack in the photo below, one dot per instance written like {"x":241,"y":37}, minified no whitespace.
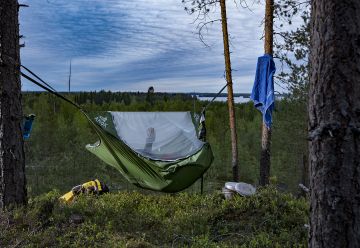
{"x":69,"y":196}
{"x":95,"y":183}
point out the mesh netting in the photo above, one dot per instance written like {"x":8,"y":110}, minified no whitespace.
{"x":158,"y":135}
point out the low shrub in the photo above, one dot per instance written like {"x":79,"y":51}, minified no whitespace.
{"x":132,"y":219}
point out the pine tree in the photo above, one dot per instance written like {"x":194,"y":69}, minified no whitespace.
{"x":232,"y":119}
{"x":334,"y":124}
{"x":12,"y":158}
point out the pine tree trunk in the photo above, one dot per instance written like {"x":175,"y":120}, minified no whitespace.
{"x":12,"y":159}
{"x":266,"y":132}
{"x":234,"y":160}
{"x":334,"y":124}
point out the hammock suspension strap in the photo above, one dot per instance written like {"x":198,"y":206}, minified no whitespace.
{"x":47,"y":87}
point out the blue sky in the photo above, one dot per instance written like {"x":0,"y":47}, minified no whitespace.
{"x":122,"y":45}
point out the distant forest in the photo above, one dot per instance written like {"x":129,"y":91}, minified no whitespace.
{"x":57,"y":158}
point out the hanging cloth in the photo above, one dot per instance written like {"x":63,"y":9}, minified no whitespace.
{"x":263,"y":90}
{"x":27,"y":125}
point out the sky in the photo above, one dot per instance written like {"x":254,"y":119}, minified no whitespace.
{"x":120,"y":45}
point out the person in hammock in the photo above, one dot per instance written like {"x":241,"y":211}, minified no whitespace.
{"x":149,"y":140}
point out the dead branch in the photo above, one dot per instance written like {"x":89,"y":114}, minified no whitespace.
{"x":200,"y":28}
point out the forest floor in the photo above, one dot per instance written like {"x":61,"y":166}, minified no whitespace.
{"x":132,"y":219}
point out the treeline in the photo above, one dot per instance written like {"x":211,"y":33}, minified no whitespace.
{"x":57,"y":158}
{"x":102,"y":96}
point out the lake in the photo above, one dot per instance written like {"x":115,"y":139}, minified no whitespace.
{"x":238,"y":99}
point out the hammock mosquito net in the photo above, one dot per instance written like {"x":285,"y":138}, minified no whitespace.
{"x":158,"y":135}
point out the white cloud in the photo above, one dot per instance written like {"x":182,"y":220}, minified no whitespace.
{"x":127,"y":45}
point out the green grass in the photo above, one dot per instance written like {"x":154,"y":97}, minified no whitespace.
{"x":132,"y":219}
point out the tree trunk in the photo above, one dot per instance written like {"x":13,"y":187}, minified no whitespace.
{"x":12,"y":159}
{"x":265,"y":155}
{"x":305,"y":171}
{"x":234,"y":161}
{"x":266,"y":132}
{"x":334,"y":124}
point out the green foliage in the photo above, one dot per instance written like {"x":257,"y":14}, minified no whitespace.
{"x":56,"y":157}
{"x":292,"y":46}
{"x":132,"y":219}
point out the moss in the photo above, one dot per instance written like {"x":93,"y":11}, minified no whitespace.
{"x":132,"y":219}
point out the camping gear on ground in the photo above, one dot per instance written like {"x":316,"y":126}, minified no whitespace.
{"x":230,"y":185}
{"x":92,"y":187}
{"x":153,"y":150}
{"x":27,"y":125}
{"x":243,"y":189}
{"x":228,"y":194}
{"x":263,"y":90}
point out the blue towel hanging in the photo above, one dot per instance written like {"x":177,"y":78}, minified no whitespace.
{"x":263,"y":90}
{"x":27,"y":126}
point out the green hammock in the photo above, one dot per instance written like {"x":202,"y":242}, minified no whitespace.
{"x":142,"y":171}
{"x":155,"y":171}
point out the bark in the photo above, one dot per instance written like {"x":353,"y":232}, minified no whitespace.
{"x":334,"y":124}
{"x":265,"y":155}
{"x":305,"y":171}
{"x":12,"y":163}
{"x":234,"y":160}
{"x":266,"y":132}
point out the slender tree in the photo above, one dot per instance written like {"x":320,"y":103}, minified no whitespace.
{"x":234,"y":146}
{"x":150,"y":95}
{"x":12,"y":159}
{"x":334,"y":124}
{"x":266,"y":131}
{"x":69,"y":82}
{"x":202,"y":8}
